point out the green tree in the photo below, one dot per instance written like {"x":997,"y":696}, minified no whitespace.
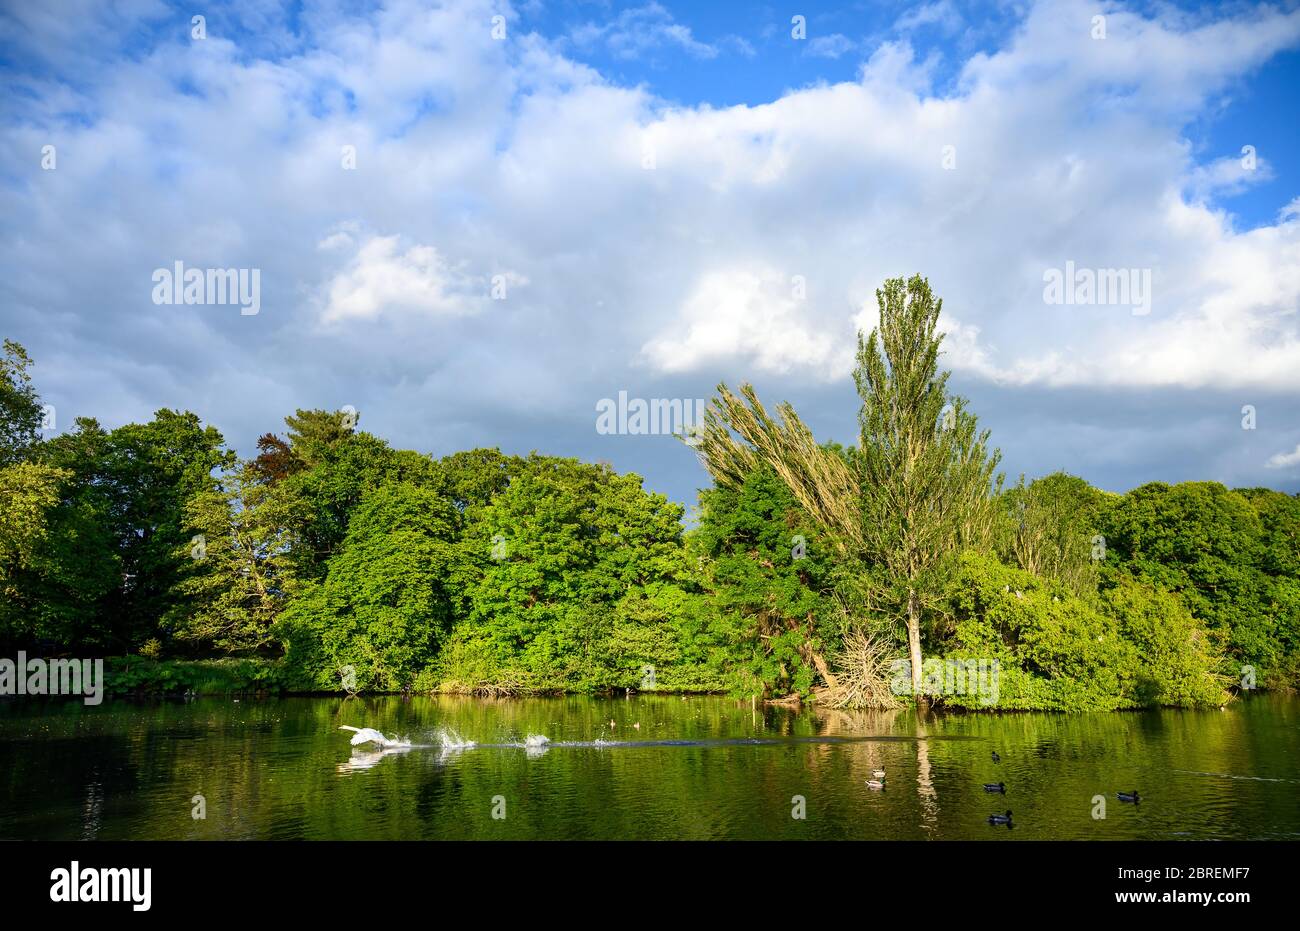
{"x":314,"y":434}
{"x":926,"y":474}
{"x":21,"y":412}
{"x":135,"y":483}
{"x":75,"y":575}
{"x":768,"y":574}
{"x":385,"y":604}
{"x":28,"y":492}
{"x":1050,"y":526}
{"x":333,"y":486}
{"x":246,"y":571}
{"x":473,"y":478}
{"x":574,"y":575}
{"x":1203,"y":542}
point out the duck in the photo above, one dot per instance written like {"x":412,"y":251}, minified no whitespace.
{"x":637,"y":725}
{"x":1128,"y":796}
{"x":996,"y":787}
{"x":1001,"y":819}
{"x":878,"y":773}
{"x":875,"y":784}
{"x":996,"y":758}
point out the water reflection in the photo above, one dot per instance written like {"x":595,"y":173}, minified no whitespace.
{"x":367,"y":759}
{"x":705,"y":767}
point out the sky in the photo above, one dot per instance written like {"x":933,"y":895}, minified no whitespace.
{"x":473,"y":221}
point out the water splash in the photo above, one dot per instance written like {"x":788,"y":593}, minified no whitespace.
{"x":536,"y":745}
{"x":449,"y":740}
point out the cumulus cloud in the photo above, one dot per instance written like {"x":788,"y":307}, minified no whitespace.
{"x":1284,"y":460}
{"x":381,"y":277}
{"x":749,"y":312}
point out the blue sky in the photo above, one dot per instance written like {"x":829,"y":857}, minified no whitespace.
{"x":522,"y":160}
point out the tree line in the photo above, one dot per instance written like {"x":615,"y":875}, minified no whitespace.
{"x":815,"y":570}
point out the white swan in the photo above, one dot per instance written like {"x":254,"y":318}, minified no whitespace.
{"x":365,"y":735}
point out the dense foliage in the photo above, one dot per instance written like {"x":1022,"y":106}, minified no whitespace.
{"x":330,"y":560}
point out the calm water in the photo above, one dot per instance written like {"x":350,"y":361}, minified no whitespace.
{"x":699,"y":768}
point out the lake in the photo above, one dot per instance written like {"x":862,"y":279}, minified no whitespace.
{"x":703,"y":767}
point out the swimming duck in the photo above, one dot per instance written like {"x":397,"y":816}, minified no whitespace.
{"x":875,"y":784}
{"x":878,"y":773}
{"x":1128,"y":796}
{"x":996,"y":758}
{"x":996,"y":787}
{"x":1001,"y":819}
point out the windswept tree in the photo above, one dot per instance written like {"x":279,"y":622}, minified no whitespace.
{"x":918,"y":488}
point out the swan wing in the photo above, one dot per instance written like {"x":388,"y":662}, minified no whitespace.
{"x":364,"y":735}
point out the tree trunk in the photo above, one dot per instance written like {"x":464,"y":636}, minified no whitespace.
{"x":819,"y":661}
{"x":914,"y":641}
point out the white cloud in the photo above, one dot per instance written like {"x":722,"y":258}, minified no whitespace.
{"x":753,"y":312}
{"x":382,"y":278}
{"x":941,"y":14}
{"x":638,"y":30}
{"x":1284,"y":460}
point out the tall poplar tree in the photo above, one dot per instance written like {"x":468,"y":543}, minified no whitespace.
{"x":926,"y":474}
